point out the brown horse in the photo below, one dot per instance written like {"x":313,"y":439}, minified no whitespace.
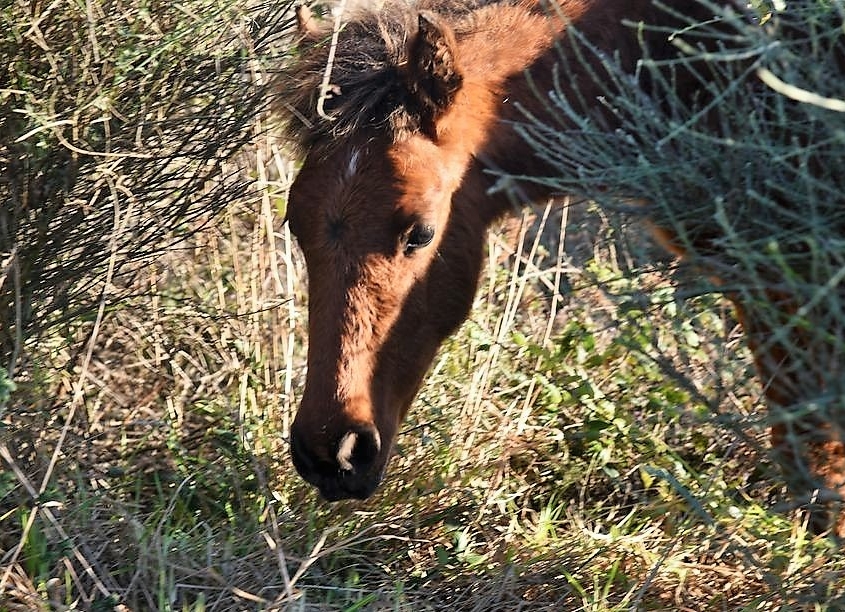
{"x":400,"y":112}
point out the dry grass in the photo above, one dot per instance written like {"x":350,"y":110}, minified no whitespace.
{"x":590,"y":440}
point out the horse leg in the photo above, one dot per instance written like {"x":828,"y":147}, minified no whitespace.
{"x":807,"y":439}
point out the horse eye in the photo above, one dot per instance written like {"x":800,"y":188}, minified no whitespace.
{"x":419,"y":236}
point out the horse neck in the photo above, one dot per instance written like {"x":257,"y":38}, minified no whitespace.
{"x":496,"y":57}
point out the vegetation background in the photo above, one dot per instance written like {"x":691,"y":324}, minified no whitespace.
{"x":591,"y":439}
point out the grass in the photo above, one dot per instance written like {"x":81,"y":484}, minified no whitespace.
{"x":551,"y":462}
{"x":591,"y":439}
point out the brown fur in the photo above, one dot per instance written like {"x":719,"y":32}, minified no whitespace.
{"x":421,"y":103}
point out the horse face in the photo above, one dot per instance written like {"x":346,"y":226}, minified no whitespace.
{"x":388,"y":281}
{"x":391,"y":270}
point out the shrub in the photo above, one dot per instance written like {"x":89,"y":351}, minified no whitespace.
{"x":736,"y":146}
{"x":114,"y":125}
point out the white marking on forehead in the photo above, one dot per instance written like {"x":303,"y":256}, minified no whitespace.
{"x":352,"y":166}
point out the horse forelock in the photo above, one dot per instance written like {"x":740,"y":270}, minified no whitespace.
{"x":366,"y":90}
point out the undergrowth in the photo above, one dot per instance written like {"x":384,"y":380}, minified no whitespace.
{"x":591,"y":439}
{"x":598,"y":450}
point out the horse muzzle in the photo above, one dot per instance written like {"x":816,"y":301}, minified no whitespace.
{"x":350,"y":466}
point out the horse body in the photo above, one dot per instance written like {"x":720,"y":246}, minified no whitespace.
{"x":394,"y":198}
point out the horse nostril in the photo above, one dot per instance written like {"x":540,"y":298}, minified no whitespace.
{"x":358,"y":449}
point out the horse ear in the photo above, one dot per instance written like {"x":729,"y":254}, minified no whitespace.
{"x":433,"y":74}
{"x":306,"y":23}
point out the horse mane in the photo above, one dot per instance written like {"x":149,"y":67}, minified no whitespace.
{"x":367,"y":86}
